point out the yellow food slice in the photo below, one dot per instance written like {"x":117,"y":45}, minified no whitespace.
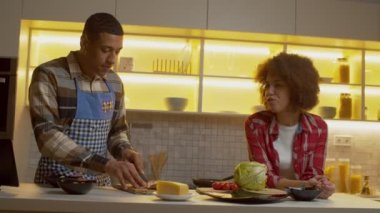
{"x":171,"y":188}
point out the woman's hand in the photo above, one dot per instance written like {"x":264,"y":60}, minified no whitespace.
{"x":327,"y":187}
{"x":321,"y":182}
{"x":313,"y":182}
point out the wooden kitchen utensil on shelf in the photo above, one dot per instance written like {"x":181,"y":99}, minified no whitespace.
{"x":157,"y":162}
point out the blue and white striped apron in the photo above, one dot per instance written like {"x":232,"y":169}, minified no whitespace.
{"x":89,"y":129}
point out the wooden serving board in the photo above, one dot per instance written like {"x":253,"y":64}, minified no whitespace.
{"x":264,"y":196}
{"x":266,"y":191}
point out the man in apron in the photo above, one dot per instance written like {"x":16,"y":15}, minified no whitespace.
{"x":78,"y":113}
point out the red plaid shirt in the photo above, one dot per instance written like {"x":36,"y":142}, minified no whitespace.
{"x":309,"y":147}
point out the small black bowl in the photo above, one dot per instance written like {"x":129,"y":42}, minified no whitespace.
{"x":75,"y":186}
{"x":203,"y":182}
{"x":303,"y":194}
{"x":52,"y":180}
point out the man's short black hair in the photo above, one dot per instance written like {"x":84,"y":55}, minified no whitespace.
{"x":101,"y":23}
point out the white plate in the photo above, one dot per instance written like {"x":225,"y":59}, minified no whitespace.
{"x":174,"y":197}
{"x":370,"y":196}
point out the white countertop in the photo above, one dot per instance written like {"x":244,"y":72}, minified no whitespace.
{"x":30,"y":197}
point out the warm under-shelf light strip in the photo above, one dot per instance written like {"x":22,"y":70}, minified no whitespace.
{"x":236,"y":49}
{"x":145,"y":43}
{"x":372,"y":58}
{"x":333,"y":55}
{"x":337,"y":89}
{"x":179,"y":45}
{"x":236,"y":84}
{"x":372,"y":91}
{"x":56,"y":39}
{"x":154,"y":80}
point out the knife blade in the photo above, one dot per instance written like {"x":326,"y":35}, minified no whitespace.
{"x":143,"y":176}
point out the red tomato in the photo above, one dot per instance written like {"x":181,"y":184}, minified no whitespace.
{"x":233,"y":186}
{"x":217,"y":185}
{"x":225,"y":186}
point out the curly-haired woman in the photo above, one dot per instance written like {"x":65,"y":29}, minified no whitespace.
{"x":286,"y":138}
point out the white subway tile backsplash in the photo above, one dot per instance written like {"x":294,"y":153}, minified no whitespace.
{"x":209,"y":146}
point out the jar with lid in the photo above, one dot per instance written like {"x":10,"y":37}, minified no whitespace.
{"x":345,"y":111}
{"x":356,"y":179}
{"x":330,"y":169}
{"x":344,"y":171}
{"x":343,"y":71}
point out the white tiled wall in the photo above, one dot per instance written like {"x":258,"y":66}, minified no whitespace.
{"x":197,"y":146}
{"x":209,"y":146}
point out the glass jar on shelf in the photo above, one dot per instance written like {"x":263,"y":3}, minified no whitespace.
{"x":344,"y":172}
{"x":356,"y":179}
{"x":343,"y":71}
{"x":330,"y":169}
{"x":345,"y":111}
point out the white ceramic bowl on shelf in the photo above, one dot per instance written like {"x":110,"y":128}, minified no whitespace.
{"x":327,"y":112}
{"x":325,"y":79}
{"x":176,"y":103}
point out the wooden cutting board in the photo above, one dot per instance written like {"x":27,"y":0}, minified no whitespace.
{"x":131,"y":189}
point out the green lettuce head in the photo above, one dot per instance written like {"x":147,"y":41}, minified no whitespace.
{"x":251,"y":175}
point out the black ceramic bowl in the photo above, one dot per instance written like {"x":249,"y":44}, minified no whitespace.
{"x":52,"y":180}
{"x":203,"y":182}
{"x":303,"y":194}
{"x":74,"y":186}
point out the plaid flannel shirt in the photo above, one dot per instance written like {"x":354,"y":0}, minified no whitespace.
{"x":309,"y":147}
{"x":52,"y":98}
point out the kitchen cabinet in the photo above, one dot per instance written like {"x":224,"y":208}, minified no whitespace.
{"x":215,"y":71}
{"x":270,"y":16}
{"x":163,"y":67}
{"x":326,"y":61}
{"x":10,"y":15}
{"x":228,"y":71}
{"x":168,"y":13}
{"x":68,"y":10}
{"x":372,"y":85}
{"x":339,"y":19}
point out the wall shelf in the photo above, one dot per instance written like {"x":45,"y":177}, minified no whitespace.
{"x":214,"y":70}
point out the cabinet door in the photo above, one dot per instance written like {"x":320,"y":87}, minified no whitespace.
{"x":68,"y":10}
{"x":339,"y":18}
{"x":10,"y":15}
{"x":340,"y":70}
{"x":372,"y":85}
{"x":163,"y":73}
{"x":171,"y":13}
{"x":269,"y":16}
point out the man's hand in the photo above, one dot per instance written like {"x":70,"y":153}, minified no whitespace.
{"x":135,"y":158}
{"x":125,"y":171}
